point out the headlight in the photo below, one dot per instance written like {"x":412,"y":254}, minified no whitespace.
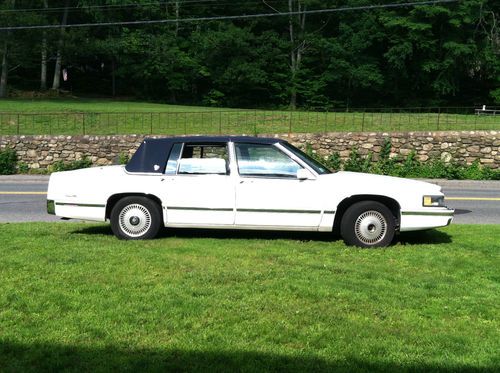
{"x":433,"y":201}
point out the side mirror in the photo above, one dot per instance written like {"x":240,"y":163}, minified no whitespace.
{"x":303,"y":174}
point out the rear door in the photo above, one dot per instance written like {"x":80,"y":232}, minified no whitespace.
{"x":198,"y":185}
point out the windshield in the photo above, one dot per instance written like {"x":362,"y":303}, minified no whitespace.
{"x":311,"y":162}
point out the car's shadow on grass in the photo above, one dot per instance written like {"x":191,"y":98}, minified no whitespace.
{"x":48,"y":357}
{"x":431,"y":236}
{"x":222,"y":234}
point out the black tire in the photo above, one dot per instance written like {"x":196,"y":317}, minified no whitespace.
{"x":136,"y":218}
{"x":368,"y":224}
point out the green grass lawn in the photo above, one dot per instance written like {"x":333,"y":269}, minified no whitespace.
{"x":105,"y":117}
{"x":91,"y":105}
{"x":74,"y":298}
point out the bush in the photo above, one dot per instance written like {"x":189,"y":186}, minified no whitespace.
{"x":409,"y":167}
{"x":8,"y":162}
{"x":123,"y":158}
{"x":23,"y":168}
{"x":334,"y":161}
{"x":357,"y":163}
{"x":386,"y":164}
{"x":73,"y":165}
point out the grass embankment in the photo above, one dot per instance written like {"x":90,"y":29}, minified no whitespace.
{"x":92,"y":116}
{"x":72,"y":297}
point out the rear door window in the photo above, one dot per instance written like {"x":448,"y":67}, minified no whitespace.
{"x":204,"y":159}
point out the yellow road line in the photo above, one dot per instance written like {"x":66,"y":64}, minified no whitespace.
{"x":472,"y":199}
{"x":22,"y":193}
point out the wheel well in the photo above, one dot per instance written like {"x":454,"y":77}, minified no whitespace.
{"x":391,"y":204}
{"x":116,"y":197}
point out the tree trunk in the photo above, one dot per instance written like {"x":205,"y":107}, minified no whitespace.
{"x":113,"y":77}
{"x":43,"y":67}
{"x":177,"y":8}
{"x":57,"y":70}
{"x":5,"y":71}
{"x":297,"y":47}
{"x":4,"y":74}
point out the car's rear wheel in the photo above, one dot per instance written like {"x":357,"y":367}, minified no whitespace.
{"x":136,"y":218}
{"x":368,"y":224}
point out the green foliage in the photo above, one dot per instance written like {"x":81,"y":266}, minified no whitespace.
{"x":495,"y":94}
{"x":386,"y":165}
{"x":357,"y":163}
{"x":73,"y":165}
{"x":334,"y":162}
{"x":310,"y":152}
{"x":123,"y":158}
{"x":422,"y":55}
{"x":22,"y":168}
{"x":473,"y":172}
{"x":408,"y":167}
{"x":8,"y":162}
{"x":213,"y":98}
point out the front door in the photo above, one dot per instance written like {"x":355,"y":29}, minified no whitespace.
{"x":268,"y":193}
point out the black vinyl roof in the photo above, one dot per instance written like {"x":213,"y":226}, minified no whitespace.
{"x":216,"y":139}
{"x":152,"y":155}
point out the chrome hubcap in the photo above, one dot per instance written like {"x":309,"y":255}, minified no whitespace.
{"x":134,"y":220}
{"x":370,"y":227}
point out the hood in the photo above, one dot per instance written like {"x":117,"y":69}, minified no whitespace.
{"x":357,"y":182}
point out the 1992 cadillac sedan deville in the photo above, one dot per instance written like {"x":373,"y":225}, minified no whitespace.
{"x":245,"y":183}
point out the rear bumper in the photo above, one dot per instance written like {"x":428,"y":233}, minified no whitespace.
{"x":426,"y":219}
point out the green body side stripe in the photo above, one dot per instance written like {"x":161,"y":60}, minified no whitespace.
{"x":281,"y":211}
{"x":427,"y":213}
{"x":198,"y":208}
{"x":249,"y":210}
{"x":78,"y":204}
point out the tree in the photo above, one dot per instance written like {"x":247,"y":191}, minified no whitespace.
{"x":43,"y":63}
{"x":439,"y":54}
{"x":297,"y":44}
{"x":57,"y":68}
{"x":4,"y":73}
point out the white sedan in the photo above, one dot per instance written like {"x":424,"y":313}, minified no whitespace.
{"x":243,"y":183}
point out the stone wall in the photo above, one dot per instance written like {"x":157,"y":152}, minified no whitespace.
{"x":463,"y":146}
{"x":460,"y":146}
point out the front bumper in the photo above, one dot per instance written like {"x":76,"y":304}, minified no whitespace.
{"x":426,"y":219}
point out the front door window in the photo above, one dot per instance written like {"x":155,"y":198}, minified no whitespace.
{"x":265,"y":161}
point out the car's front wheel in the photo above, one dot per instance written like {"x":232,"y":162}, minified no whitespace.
{"x":136,"y":218}
{"x":368,"y":224}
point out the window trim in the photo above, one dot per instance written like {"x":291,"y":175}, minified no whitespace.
{"x":284,"y":177}
{"x":177,"y":160}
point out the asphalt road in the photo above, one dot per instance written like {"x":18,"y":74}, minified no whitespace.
{"x":23,"y":199}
